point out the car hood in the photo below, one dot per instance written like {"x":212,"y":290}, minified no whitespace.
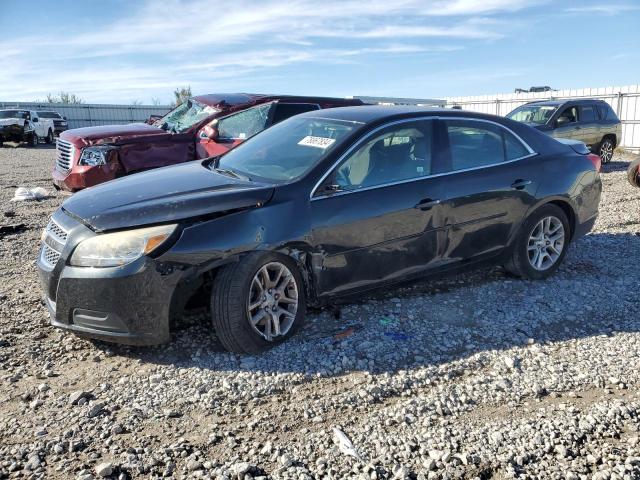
{"x":164,"y":195}
{"x":11,"y":121}
{"x":113,"y":134}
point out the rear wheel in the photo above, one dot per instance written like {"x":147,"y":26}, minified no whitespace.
{"x":606,"y":149}
{"x":257,"y":302}
{"x":541,"y":244}
{"x":633,"y":173}
{"x":49,"y":138}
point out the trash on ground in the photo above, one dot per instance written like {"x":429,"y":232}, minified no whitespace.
{"x":385,"y":321}
{"x":344,"y":444}
{"x":23,"y":193}
{"x":15,"y":228}
{"x":344,"y":334}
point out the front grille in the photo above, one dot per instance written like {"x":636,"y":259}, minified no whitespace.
{"x":54,"y":242}
{"x":49,"y":256}
{"x":64,"y":159}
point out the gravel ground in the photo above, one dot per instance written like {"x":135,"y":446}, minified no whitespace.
{"x":476,"y":376}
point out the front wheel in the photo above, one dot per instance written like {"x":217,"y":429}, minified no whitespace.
{"x":606,"y":149}
{"x":541,"y":244}
{"x":257,"y":302}
{"x":34,"y":140}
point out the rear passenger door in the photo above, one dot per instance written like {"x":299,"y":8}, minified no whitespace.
{"x":589,"y":126}
{"x":490,"y":182}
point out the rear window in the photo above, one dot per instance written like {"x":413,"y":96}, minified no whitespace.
{"x":49,"y":115}
{"x":476,"y":144}
{"x":610,"y":114}
{"x":588,"y":114}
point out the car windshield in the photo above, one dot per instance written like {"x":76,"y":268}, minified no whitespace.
{"x":287,"y":150}
{"x":185,"y":116}
{"x":49,"y":115}
{"x":538,"y":114}
{"x":13,"y":114}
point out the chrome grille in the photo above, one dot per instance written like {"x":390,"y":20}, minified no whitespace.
{"x":49,"y":256}
{"x":55,"y":239}
{"x":65,"y":154}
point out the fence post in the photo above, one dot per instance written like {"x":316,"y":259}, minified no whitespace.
{"x":89,"y":114}
{"x":497,"y":106}
{"x":619,"y":105}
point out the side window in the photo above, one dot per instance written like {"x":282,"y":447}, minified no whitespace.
{"x":245,"y":124}
{"x":611,"y":115}
{"x":587,"y":114}
{"x":476,"y":144}
{"x":286,"y":110}
{"x":400,"y":152}
{"x":568,"y":115}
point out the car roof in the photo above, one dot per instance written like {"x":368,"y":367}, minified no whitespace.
{"x":374,"y":113}
{"x":556,"y":103}
{"x":230,"y":100}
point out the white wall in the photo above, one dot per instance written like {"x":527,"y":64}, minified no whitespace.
{"x":625,"y":101}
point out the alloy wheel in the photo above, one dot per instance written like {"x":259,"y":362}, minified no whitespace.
{"x":273,"y":301}
{"x":546,"y":243}
{"x":606,"y":151}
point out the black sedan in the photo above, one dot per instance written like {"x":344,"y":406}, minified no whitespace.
{"x":321,"y":205}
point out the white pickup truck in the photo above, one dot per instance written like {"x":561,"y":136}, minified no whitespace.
{"x":20,"y":125}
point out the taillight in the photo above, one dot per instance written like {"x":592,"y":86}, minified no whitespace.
{"x":596,"y":160}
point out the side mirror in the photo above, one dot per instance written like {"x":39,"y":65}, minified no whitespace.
{"x":562,"y":121}
{"x":35,"y":119}
{"x":329,"y":189}
{"x":211,"y":132}
{"x":64,"y":118}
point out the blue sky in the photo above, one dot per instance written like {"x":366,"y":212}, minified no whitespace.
{"x":117,"y":51}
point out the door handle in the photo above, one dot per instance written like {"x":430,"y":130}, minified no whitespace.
{"x":520,"y":184}
{"x":426,"y":204}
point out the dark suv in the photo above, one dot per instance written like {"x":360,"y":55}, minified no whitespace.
{"x":591,"y":121}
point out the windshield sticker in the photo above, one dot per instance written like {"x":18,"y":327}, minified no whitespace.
{"x":318,"y":142}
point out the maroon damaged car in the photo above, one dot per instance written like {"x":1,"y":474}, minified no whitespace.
{"x":203,"y":126}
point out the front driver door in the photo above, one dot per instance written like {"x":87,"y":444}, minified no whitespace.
{"x":566,"y":124}
{"x":375,"y":217}
{"x":233,"y":130}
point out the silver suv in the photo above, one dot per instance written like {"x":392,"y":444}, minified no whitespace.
{"x":591,"y":121}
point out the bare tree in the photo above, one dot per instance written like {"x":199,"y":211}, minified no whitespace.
{"x":64,"y":97}
{"x":182,"y":94}
{"x":136,"y":102}
{"x":155,"y":101}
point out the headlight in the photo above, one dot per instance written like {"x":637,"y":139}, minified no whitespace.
{"x":93,"y":156}
{"x":120,"y":248}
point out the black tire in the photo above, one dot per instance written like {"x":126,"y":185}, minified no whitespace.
{"x":49,"y":138}
{"x":605,"y":150}
{"x":519,"y":263}
{"x":633,"y":173}
{"x":230,"y":298}
{"x":34,"y":140}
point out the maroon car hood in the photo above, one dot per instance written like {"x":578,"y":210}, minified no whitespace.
{"x":113,"y":134}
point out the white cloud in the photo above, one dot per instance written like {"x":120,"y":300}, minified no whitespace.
{"x":160,"y":45}
{"x":605,"y":8}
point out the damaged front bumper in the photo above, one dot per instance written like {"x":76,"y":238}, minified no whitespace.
{"x":129,"y":304}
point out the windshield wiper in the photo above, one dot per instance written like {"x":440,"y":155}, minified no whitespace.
{"x":229,"y":173}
